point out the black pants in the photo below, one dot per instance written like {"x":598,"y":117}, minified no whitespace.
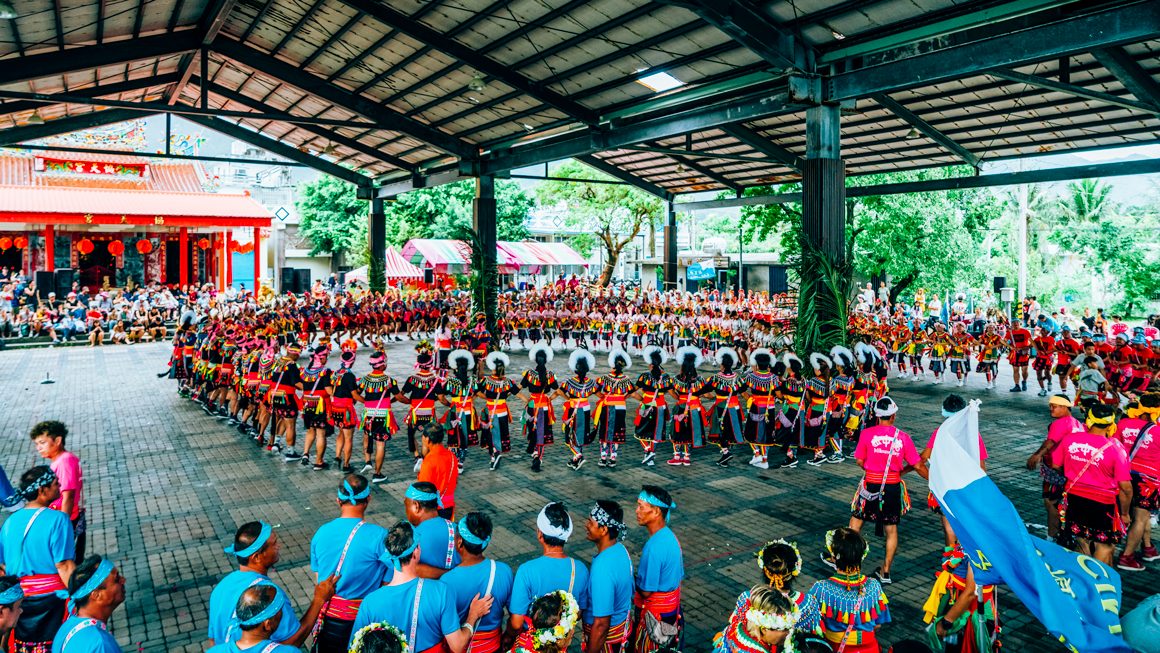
{"x":334,"y":636}
{"x":81,"y":526}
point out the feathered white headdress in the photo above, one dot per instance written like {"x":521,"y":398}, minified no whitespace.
{"x":726,"y":351}
{"x":458,"y":354}
{"x":791,"y":357}
{"x":817,"y":358}
{"x":538,"y":347}
{"x":762,"y":351}
{"x":648,"y":352}
{"x":689,"y":350}
{"x":842,"y":356}
{"x":574,"y":359}
{"x":497,"y":357}
{"x":621,"y":354}
{"x":863,"y":350}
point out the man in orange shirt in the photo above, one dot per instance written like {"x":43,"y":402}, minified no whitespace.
{"x":440,"y":467}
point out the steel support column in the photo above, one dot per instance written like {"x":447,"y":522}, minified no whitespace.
{"x":484,"y":260}
{"x":670,"y":247}
{"x":823,"y":210}
{"x":377,"y":235}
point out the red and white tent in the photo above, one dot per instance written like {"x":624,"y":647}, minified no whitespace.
{"x":396,"y":267}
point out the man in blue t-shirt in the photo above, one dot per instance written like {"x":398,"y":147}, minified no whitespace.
{"x":610,"y":584}
{"x":260,"y":615}
{"x":551,"y":572}
{"x":96,"y":588}
{"x":479,"y":576}
{"x":436,"y":535}
{"x":660,"y":572}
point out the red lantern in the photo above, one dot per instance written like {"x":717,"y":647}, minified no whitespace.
{"x":85,"y":246}
{"x":116,"y":247}
{"x":20,"y":242}
{"x":144,"y":246}
{"x":203,"y":243}
{"x":5,"y":243}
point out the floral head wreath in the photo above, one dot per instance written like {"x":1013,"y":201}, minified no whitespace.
{"x":797,"y":567}
{"x":774,"y":621}
{"x":356,"y":643}
{"x":830,"y":544}
{"x":568,"y":618}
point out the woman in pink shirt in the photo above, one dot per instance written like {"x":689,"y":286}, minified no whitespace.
{"x":1049,"y":455}
{"x":49,"y":437}
{"x":1098,"y":494}
{"x":885,"y":453}
{"x":1143,"y":447}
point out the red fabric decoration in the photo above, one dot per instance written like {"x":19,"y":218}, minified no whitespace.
{"x":144,"y":246}
{"x":203,"y":243}
{"x":20,"y":242}
{"x":116,"y":247}
{"x":85,"y":246}
{"x":5,"y":243}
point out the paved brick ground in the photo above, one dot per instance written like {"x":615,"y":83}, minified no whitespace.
{"x":167,"y":486}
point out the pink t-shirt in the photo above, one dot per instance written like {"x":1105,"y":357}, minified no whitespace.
{"x":1147,"y":459}
{"x":875,"y":446}
{"x":1059,"y":429}
{"x":982,"y":447}
{"x":67,"y":468}
{"x":1127,"y":430}
{"x":1101,"y":480}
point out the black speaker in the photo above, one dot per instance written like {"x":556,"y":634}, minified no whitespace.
{"x":301,"y":280}
{"x":1000,"y":282}
{"x":428,"y":275}
{"x":45,"y":283}
{"x":288,"y":280}
{"x":778,"y":280}
{"x":64,"y":279}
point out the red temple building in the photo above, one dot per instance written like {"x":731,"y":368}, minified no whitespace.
{"x":112,"y":217}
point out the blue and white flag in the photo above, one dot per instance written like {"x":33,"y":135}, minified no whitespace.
{"x":1076,"y":597}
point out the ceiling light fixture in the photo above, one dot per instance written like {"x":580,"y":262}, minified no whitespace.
{"x":913,"y":134}
{"x":838,"y":35}
{"x":35,"y":119}
{"x":477,"y":84}
{"x":529,"y":127}
{"x":7,"y":11}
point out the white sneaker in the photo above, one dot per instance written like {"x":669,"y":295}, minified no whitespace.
{"x":960,"y":383}
{"x":755,"y":459}
{"x":367,"y":467}
{"x":762,"y":464}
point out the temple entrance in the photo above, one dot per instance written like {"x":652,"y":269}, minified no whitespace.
{"x":12,"y":259}
{"x":96,"y":266}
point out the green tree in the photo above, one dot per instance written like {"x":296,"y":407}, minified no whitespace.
{"x":1087,"y":201}
{"x":333,"y":218}
{"x":446,"y":212}
{"x":613,"y":213}
{"x":1120,"y":252}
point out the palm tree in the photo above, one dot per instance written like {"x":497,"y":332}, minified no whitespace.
{"x":1086,"y":200}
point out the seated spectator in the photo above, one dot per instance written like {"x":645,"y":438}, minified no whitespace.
{"x":119,"y":336}
{"x":95,"y":322}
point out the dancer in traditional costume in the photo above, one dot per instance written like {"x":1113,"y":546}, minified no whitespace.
{"x":494,"y":425}
{"x":36,"y":546}
{"x":539,"y":415}
{"x":612,"y":389}
{"x":652,"y":416}
{"x":763,"y":622}
{"x":761,"y":386}
{"x":477,"y":575}
{"x":458,"y":394}
{"x":553,"y":618}
{"x":377,"y":390}
{"x":852,"y":606}
{"x":341,"y":412}
{"x":316,"y":382}
{"x":657,"y":598}
{"x":813,"y":424}
{"x":283,"y":399}
{"x":967,"y":614}
{"x":726,"y":424}
{"x":688,"y":416}
{"x":420,"y":391}
{"x":579,"y":431}
{"x":840,"y":422}
{"x":349,"y":548}
{"x":1143,"y":448}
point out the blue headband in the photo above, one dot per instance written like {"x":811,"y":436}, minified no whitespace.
{"x":274,"y":608}
{"x":94,"y":581}
{"x":418,"y":495}
{"x":470,"y":537}
{"x":650,"y":499}
{"x":350,"y":495}
{"x":394,"y":560}
{"x":255,"y":546}
{"x":11,"y":595}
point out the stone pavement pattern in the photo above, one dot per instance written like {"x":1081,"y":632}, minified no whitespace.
{"x":167,"y":486}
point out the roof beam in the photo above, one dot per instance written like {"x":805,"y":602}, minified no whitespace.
{"x":349,"y":25}
{"x":699,"y":154}
{"x":56,"y":14}
{"x":467,"y":55}
{"x":51,"y":64}
{"x":65,"y":125}
{"x":1072,"y":89}
{"x":173,"y":17}
{"x":753,"y":29}
{"x":101,"y":21}
{"x":211,"y":23}
{"x":1129,"y":72}
{"x":1046,"y":175}
{"x":767,"y":147}
{"x":1126,"y":24}
{"x":95,"y":91}
{"x":257,"y":105}
{"x":743,"y":109}
{"x":384,"y":117}
{"x":281,"y":149}
{"x":691,"y":162}
{"x":414,"y":182}
{"x":909,"y":117}
{"x":628,"y":178}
